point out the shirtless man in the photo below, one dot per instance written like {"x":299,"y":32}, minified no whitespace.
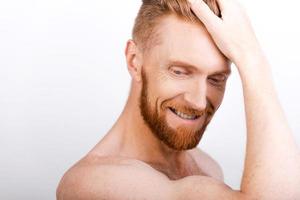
{"x":179,"y":62}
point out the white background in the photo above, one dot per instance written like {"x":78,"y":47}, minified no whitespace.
{"x":63,"y":83}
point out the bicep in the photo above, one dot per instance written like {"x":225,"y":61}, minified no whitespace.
{"x":204,"y":187}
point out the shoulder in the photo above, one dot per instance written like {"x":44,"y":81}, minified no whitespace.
{"x":207,"y":164}
{"x":111,"y":178}
{"x":99,"y":178}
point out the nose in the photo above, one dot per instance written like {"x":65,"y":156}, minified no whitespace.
{"x":196,"y":95}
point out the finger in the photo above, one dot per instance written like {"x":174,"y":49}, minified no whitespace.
{"x":221,"y":4}
{"x":203,"y":12}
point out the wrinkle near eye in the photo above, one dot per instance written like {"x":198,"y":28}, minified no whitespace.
{"x":162,"y":76}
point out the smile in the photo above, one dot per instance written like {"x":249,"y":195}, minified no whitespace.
{"x":183,"y":115}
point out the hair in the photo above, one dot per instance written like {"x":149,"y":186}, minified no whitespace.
{"x":151,"y":11}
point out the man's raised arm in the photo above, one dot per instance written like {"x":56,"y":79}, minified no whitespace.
{"x":272,"y":165}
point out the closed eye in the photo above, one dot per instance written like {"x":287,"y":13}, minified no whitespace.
{"x":218,"y":79}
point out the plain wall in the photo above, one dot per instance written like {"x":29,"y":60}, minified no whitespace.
{"x":63,"y":83}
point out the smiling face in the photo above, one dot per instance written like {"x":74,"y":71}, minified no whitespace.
{"x":183,"y":83}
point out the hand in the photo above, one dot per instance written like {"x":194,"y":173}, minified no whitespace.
{"x":233,"y":33}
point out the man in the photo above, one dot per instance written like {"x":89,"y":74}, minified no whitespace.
{"x":179,"y":62}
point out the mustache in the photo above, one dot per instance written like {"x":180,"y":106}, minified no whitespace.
{"x":209,"y":109}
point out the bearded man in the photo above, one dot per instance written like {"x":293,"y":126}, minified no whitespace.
{"x":179,"y":59}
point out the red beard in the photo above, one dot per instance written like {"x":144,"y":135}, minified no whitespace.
{"x":180,"y":138}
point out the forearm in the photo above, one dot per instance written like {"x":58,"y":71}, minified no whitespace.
{"x":272,"y":165}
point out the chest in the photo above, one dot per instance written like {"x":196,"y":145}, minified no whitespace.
{"x":180,"y":171}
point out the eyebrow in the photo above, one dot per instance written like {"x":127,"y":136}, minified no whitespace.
{"x":194,"y":68}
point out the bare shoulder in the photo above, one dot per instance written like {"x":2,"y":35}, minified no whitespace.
{"x":207,"y":164}
{"x":97,"y":177}
{"x":117,"y":178}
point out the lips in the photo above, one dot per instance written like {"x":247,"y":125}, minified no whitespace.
{"x":184,"y":115}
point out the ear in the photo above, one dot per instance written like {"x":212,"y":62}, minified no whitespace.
{"x":134,"y":60}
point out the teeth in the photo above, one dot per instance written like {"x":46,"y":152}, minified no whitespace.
{"x":185,"y":116}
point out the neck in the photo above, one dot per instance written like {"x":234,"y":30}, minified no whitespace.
{"x":136,"y":140}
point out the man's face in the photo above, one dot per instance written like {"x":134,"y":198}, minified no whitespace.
{"x":184,"y":78}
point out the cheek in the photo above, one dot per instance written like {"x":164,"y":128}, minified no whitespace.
{"x":215,"y":96}
{"x":167,"y":87}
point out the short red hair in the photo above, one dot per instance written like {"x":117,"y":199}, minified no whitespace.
{"x":151,"y":11}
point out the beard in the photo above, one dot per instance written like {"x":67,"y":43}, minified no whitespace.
{"x":180,"y":138}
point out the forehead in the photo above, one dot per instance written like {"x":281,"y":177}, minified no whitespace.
{"x":187,"y":42}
